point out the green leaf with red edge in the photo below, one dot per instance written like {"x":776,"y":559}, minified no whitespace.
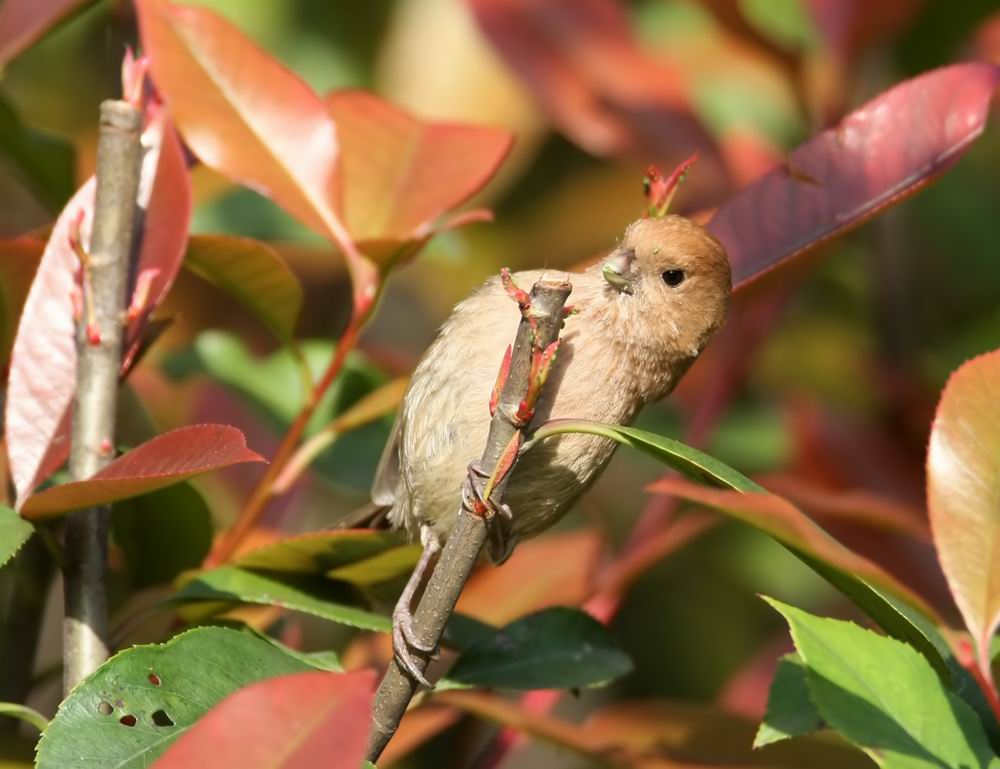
{"x":43,"y":359}
{"x":399,"y":174}
{"x":254,"y":273}
{"x":297,"y":721}
{"x":963,"y":479}
{"x":894,"y":606}
{"x":587,"y":71}
{"x":22,"y":22}
{"x":244,"y":114}
{"x":163,"y":461}
{"x":877,"y":155}
{"x":144,"y":698}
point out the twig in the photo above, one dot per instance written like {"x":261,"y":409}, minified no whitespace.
{"x":99,"y":343}
{"x":541,"y":321}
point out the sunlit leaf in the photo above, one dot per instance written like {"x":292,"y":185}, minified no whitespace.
{"x":144,"y":698}
{"x":317,"y":596}
{"x":14,"y":532}
{"x":254,"y":273}
{"x":557,"y":648}
{"x":877,"y":155}
{"x":963,"y":478}
{"x":163,"y":461}
{"x":884,"y":697}
{"x":297,"y":721}
{"x":398,"y":174}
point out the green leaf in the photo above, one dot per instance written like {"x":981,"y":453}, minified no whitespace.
{"x":790,"y":712}
{"x":254,"y":273}
{"x":162,"y":534}
{"x":323,"y":660}
{"x":865,"y":583}
{"x":556,"y":648}
{"x":313,"y":595}
{"x":44,"y":163}
{"x":164,"y":688}
{"x":24,"y":713}
{"x":884,"y":697}
{"x":14,"y":532}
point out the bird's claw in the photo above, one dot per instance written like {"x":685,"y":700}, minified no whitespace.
{"x":477,"y":478}
{"x":404,"y":642}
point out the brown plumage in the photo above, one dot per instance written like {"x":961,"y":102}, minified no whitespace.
{"x":629,"y":345}
{"x":645,"y":313}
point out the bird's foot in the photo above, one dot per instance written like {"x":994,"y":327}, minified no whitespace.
{"x":474,"y":499}
{"x":404,"y":638}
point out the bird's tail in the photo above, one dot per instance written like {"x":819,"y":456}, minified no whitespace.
{"x":370,"y":516}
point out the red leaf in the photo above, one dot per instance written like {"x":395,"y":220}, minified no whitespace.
{"x":162,"y":461}
{"x":43,"y":360}
{"x":19,"y":259}
{"x":22,"y":22}
{"x":580,"y":60}
{"x":963,"y":476}
{"x":398,"y":174}
{"x":244,"y":114}
{"x":298,"y":721}
{"x":877,"y":155}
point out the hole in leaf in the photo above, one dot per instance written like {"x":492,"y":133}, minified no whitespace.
{"x":127,"y":720}
{"x":154,"y":679}
{"x":160,"y":718}
{"x":105,"y":709}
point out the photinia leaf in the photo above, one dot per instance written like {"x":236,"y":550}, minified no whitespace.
{"x":585,"y":68}
{"x":550,"y":570}
{"x":877,"y":155}
{"x":244,"y":114}
{"x":163,"y":461}
{"x":317,"y":596}
{"x":254,"y":273}
{"x":790,"y":712}
{"x":43,"y":359}
{"x":297,"y":721}
{"x":14,"y":532}
{"x":556,"y":648}
{"x":144,"y":698}
{"x":22,"y":22}
{"x":399,"y":174}
{"x":162,"y":534}
{"x":884,"y":697}
{"x":894,"y":606}
{"x":963,"y":476}
{"x":24,"y":713}
{"x":19,"y":259}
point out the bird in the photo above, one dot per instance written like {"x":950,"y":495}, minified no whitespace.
{"x":643,"y":314}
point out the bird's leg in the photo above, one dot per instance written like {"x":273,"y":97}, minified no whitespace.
{"x":404,"y":639}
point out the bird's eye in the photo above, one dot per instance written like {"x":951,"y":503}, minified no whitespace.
{"x":673,"y":278}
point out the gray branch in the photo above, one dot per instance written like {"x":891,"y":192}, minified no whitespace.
{"x":467,"y":537}
{"x":106,"y":276}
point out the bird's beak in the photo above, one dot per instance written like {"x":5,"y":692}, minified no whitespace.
{"x":618,"y":270}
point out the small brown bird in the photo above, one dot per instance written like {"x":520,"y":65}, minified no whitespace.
{"x":645,"y":313}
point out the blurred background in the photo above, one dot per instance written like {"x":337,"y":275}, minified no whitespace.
{"x":822,"y":388}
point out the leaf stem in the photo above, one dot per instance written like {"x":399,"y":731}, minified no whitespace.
{"x":99,"y":346}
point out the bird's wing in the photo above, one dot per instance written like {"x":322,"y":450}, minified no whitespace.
{"x":387,"y":473}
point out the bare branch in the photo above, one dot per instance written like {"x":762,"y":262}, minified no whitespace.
{"x":99,"y":343}
{"x":541,"y":321}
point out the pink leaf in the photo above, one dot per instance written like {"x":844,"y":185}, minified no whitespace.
{"x":162,"y":461}
{"x":22,"y":22}
{"x":963,"y":476}
{"x":877,"y":155}
{"x":298,"y":721}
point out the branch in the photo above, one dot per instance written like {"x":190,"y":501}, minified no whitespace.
{"x":99,"y":341}
{"x":541,"y":320}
